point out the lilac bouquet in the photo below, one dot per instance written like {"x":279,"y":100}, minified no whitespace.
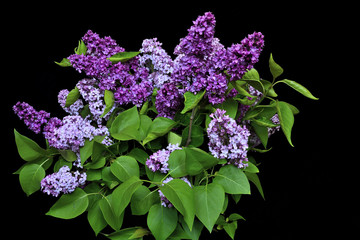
{"x":170,"y":139}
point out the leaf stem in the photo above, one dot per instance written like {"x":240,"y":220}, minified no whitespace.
{"x":193,"y":112}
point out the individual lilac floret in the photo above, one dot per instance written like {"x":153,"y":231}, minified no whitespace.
{"x":164,"y":201}
{"x":74,"y":108}
{"x":158,"y":160}
{"x":32,"y":118}
{"x":227,"y":139}
{"x":159,"y":63}
{"x":62,"y":181}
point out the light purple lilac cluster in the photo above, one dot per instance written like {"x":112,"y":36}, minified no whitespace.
{"x":71,"y":132}
{"x":158,"y":161}
{"x":164,"y":201}
{"x":33,"y":119}
{"x":75,"y":108}
{"x":62,"y":181}
{"x":158,"y":62}
{"x":227,"y":139}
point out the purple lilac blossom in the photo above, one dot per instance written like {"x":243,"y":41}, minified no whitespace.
{"x":241,"y":57}
{"x":227,"y":139}
{"x":74,"y":108}
{"x":158,"y":160}
{"x":62,"y":181}
{"x":159,"y":63}
{"x":33,"y":119}
{"x":168,"y":100}
{"x":71,"y":132}
{"x":164,"y":201}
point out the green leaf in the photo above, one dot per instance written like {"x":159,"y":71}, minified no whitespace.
{"x":209,"y":200}
{"x":64,"y":63}
{"x":111,"y":217}
{"x":239,"y":86}
{"x":159,"y":127}
{"x":252,"y":77}
{"x":109,"y":102}
{"x":174,"y":138}
{"x":70,"y":205}
{"x":181,"y":195}
{"x":142,"y":200}
{"x":252,"y":168}
{"x":27,"y":148}
{"x":230,"y":229}
{"x":124,"y":167}
{"x":230,"y":106}
{"x":123,"y":234}
{"x":162,"y":221}
{"x":264,"y":122}
{"x":81,"y":49}
{"x":286,"y":118}
{"x":86,"y":150}
{"x":198,"y":160}
{"x":145,"y":123}
{"x":269,"y":88}
{"x":122,"y":56}
{"x":197,"y":136}
{"x":191,"y":100}
{"x":253,"y":177}
{"x":235,"y":216}
{"x":126,"y":124}
{"x":233,"y":180}
{"x":299,"y":88}
{"x":261,"y":132}
{"x":68,"y":155}
{"x":72,"y":97}
{"x":275,"y":68}
{"x":95,"y":218}
{"x":123,"y":193}
{"x":177,"y":163}
{"x":30,"y":178}
{"x":195,"y":232}
{"x":139,"y":154}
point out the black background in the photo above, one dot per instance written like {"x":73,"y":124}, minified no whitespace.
{"x":304,"y":186}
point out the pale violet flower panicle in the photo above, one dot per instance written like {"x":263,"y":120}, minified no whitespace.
{"x":159,"y":63}
{"x":227,"y":139}
{"x":164,"y":201}
{"x":62,"y":181}
{"x":75,"y":108}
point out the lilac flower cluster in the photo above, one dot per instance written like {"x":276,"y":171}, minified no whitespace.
{"x":164,"y":201}
{"x":169,"y":99}
{"x":74,"y":108}
{"x":241,"y":57}
{"x":71,"y":132}
{"x":62,"y":181}
{"x":128,"y":80}
{"x":33,"y":119}
{"x":158,"y":160}
{"x":158,"y":62}
{"x":227,"y":139}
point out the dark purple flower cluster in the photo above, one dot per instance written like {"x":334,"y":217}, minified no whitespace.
{"x":33,"y":119}
{"x":169,"y":100}
{"x":241,"y":57}
{"x":129,"y":80}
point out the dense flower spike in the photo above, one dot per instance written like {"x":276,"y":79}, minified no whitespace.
{"x":169,"y":99}
{"x":227,"y":139}
{"x":33,"y":119}
{"x":62,"y":181}
{"x":74,"y":108}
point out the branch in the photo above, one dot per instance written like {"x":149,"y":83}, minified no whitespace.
{"x":190,"y":125}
